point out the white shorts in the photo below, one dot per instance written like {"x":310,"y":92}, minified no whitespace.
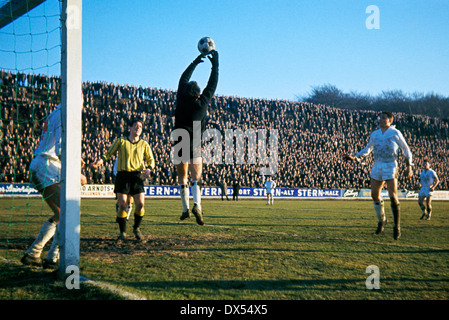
{"x":382,"y":171}
{"x":425,"y":192}
{"x":44,"y":172}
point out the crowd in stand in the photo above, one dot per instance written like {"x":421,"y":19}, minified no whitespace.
{"x":311,"y":138}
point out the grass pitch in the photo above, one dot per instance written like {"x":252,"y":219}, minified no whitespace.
{"x":247,"y":250}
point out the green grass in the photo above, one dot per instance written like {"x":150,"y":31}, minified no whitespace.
{"x":294,"y":250}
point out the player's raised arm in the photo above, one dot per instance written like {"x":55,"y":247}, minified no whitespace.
{"x":187,"y":74}
{"x":211,"y":86}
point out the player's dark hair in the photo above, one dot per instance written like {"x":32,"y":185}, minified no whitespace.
{"x":132,"y":121}
{"x":388,"y":114}
{"x":192,"y":89}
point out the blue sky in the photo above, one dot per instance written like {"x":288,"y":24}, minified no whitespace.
{"x":275,"y":49}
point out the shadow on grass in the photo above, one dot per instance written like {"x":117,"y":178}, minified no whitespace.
{"x":343,"y":286}
{"x":18,"y":282}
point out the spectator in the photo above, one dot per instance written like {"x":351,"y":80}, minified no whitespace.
{"x":311,"y":137}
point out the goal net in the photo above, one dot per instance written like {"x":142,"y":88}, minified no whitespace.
{"x":38,"y":71}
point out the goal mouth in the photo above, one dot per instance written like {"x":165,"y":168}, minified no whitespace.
{"x":40,"y":68}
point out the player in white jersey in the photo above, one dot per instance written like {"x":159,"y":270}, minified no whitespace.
{"x":269,"y":186}
{"x":429,"y":181}
{"x":385,"y":144}
{"x":45,"y":177}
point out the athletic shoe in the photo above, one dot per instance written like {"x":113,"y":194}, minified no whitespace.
{"x":396,"y":233}
{"x":50,"y":265}
{"x":423,"y":215}
{"x":428,"y":217}
{"x":31,"y":261}
{"x":121,"y":237}
{"x":138,"y":234}
{"x":185,"y":215}
{"x":198,"y":215}
{"x":381,"y":225}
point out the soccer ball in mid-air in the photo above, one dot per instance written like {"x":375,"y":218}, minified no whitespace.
{"x":206,"y":45}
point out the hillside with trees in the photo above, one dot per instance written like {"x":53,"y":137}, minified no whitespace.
{"x":430,"y":104}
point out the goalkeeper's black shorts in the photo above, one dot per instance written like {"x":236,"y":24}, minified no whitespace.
{"x":129,"y":183}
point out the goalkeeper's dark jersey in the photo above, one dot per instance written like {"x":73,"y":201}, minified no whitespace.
{"x":189,"y":110}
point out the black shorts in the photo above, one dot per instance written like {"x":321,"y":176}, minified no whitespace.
{"x":129,"y":183}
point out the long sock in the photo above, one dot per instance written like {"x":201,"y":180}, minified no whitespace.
{"x":396,"y":210}
{"x":129,"y":208}
{"x":137,"y":220}
{"x":423,"y":208}
{"x":196,"y":193}
{"x":46,"y":232}
{"x":53,"y":252}
{"x":380,"y":211}
{"x":185,"y":194}
{"x":122,"y":224}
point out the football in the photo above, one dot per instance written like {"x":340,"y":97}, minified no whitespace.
{"x":206,"y":45}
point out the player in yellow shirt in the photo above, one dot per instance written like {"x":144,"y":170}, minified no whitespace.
{"x":133,"y":156}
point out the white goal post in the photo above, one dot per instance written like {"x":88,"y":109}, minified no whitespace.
{"x":71,"y":107}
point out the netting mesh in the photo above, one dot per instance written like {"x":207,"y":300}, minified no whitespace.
{"x":30,"y":62}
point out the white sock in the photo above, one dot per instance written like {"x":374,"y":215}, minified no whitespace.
{"x":185,"y":194}
{"x":196,"y":193}
{"x":129,"y":208}
{"x":380,"y":211}
{"x":45,"y":233}
{"x":53,"y":253}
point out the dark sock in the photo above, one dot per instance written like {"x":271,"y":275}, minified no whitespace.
{"x":121,"y":224}
{"x":396,"y":210}
{"x":137,"y":221}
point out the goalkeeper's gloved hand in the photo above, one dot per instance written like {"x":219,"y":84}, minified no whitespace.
{"x":214,"y":58}
{"x":199,"y":59}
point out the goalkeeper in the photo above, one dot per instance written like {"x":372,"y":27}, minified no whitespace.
{"x":191,"y":108}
